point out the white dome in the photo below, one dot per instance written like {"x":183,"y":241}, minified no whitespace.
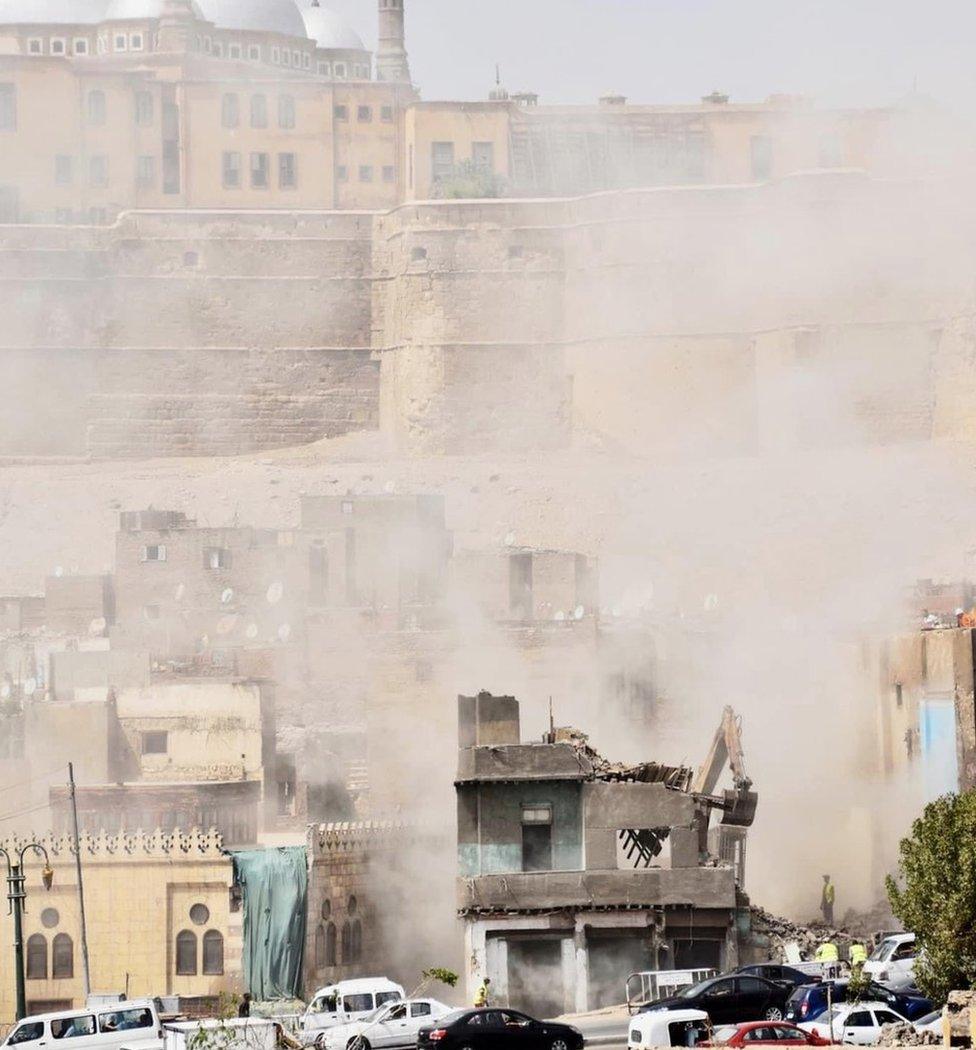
{"x":329,"y":30}
{"x":51,"y":12}
{"x":122,"y":9}
{"x":267,"y":16}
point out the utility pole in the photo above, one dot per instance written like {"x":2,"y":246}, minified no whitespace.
{"x":86,"y":971}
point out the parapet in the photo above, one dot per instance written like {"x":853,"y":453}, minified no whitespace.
{"x":192,"y":843}
{"x":352,"y":836}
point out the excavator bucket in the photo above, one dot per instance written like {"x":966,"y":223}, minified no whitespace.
{"x":739,"y":808}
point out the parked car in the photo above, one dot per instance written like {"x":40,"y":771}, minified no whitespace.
{"x":131,"y":1022}
{"x":788,"y":976}
{"x":857,"y":1023}
{"x":893,"y":961}
{"x":808,"y":1001}
{"x":728,"y":998}
{"x":668,"y":1028}
{"x":782,"y":1033}
{"x":497,"y":1028}
{"x":394,"y":1024}
{"x":345,"y":1002}
{"x":931,"y":1022}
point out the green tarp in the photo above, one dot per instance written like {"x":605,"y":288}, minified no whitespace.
{"x":275,"y":888}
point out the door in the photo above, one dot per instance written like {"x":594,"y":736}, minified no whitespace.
{"x":28,"y":1035}
{"x":787,"y":1035}
{"x":391,"y":1028}
{"x":753,"y":995}
{"x":860,"y":1029}
{"x":421,"y":1013}
{"x":514,"y":1031}
{"x":719,"y":1002}
{"x":937,"y":739}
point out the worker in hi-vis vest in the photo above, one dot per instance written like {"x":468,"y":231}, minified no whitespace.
{"x":827,"y":952}
{"x":481,"y":995}
{"x":857,"y":954}
{"x":827,"y":896}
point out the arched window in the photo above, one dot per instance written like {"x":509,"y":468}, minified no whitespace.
{"x":213,"y":952}
{"x":62,"y":956}
{"x":331,"y":955}
{"x":186,"y":953}
{"x":37,"y":957}
{"x":346,"y":943}
{"x":319,"y":947}
{"x":357,"y":940}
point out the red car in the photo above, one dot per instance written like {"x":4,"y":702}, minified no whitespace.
{"x":754,"y":1033}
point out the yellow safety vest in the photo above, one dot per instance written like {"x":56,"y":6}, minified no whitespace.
{"x":857,"y":954}
{"x":481,"y":995}
{"x":827,"y":952}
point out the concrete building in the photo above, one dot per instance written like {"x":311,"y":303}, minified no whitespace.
{"x":574,"y":872}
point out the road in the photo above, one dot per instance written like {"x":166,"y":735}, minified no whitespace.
{"x":604,"y":1028}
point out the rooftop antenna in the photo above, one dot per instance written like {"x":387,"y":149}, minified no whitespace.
{"x":552,"y":724}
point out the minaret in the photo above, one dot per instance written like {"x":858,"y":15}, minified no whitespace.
{"x":391,"y":55}
{"x":176,"y":21}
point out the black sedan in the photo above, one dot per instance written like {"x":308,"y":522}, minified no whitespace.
{"x":497,"y":1027}
{"x":787,"y":976}
{"x":729,"y":999}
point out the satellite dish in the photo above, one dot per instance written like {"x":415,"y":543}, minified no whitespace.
{"x":179,"y":592}
{"x":579,"y":612}
{"x":228,"y":595}
{"x":252,"y":630}
{"x":97,"y":626}
{"x":275,"y":591}
{"x":509,"y":539}
{"x":30,"y":686}
{"x":284,"y":632}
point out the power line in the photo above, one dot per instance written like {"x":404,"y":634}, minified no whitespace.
{"x":30,"y":780}
{"x":24,"y":812}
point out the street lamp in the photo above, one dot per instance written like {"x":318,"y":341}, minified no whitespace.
{"x":16,"y":895}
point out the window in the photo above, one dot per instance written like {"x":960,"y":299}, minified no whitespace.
{"x":233,"y":50}
{"x":155,"y":552}
{"x":58,"y":46}
{"x":515,"y":251}
{"x":326,"y":910}
{"x":259,"y":111}
{"x":286,"y":57}
{"x":347,"y":942}
{"x":483,"y":157}
{"x":72,"y":1027}
{"x":859,"y":1019}
{"x":352,"y":905}
{"x":230,"y":111}
{"x":286,"y":111}
{"x":8,"y":107}
{"x":191,"y":258}
{"x":96,"y":107}
{"x":356,"y":941}
{"x":259,"y":171}
{"x":325,"y":69}
{"x":386,"y":114}
{"x":144,"y":108}
{"x":342,"y":173}
{"x":207,"y":44}
{"x":331,"y":955}
{"x":340,"y":70}
{"x":389,"y":173}
{"x":80,"y":46}
{"x":296,"y":59}
{"x":365,"y":173}
{"x":341,"y":112}
{"x":306,"y":61}
{"x":35,"y":46}
{"x":62,"y":957}
{"x":276,"y":55}
{"x":904,"y":951}
{"x":155,"y":742}
{"x":213,"y":952}
{"x":216,"y":558}
{"x":27,"y":1033}
{"x":50,"y":918}
{"x":441,"y":160}
{"x":287,"y":171}
{"x":199,"y":914}
{"x":364,"y":114}
{"x":135,"y":42}
{"x":150,"y":612}
{"x":98,"y":170}
{"x":420,"y":1009}
{"x":319,"y":947}
{"x":146,"y":170}
{"x":218,"y":49}
{"x":62,"y":169}
{"x":418,"y":254}
{"x":537,"y":838}
{"x":253,"y":53}
{"x":761,"y":156}
{"x":119,"y":42}
{"x":232,"y":170}
{"x":37,"y":957}
{"x":124,"y":1020}
{"x":752,"y":986}
{"x":186,"y":953}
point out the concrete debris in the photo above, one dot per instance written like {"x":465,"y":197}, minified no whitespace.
{"x":780,"y":932}
{"x":678,"y":777}
{"x":958,"y":1009}
{"x":904,"y":1034}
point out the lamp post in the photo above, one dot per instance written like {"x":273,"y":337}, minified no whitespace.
{"x":16,"y":895}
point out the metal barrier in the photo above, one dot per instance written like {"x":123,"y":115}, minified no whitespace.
{"x":645,"y":986}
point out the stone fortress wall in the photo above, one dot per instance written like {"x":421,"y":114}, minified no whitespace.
{"x":723,"y":320}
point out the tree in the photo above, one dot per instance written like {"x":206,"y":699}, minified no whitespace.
{"x":468,"y":182}
{"x":934,"y":895}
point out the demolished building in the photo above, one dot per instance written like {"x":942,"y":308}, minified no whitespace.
{"x":575,"y":872}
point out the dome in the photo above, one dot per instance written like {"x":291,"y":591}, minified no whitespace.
{"x":122,"y":9}
{"x":263,"y":16}
{"x":51,"y":12}
{"x":329,"y":30}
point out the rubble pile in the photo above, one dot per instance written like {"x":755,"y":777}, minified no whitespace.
{"x":780,"y":932}
{"x":678,"y":777}
{"x":867,"y":924}
{"x":905,"y":1034}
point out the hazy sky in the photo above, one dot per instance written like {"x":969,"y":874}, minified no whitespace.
{"x":856,"y":51}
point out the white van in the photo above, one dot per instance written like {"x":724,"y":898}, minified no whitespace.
{"x":893,"y":961}
{"x":345,"y":1002}
{"x":132,"y":1023}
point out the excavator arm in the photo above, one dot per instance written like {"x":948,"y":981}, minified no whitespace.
{"x":739,"y":805}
